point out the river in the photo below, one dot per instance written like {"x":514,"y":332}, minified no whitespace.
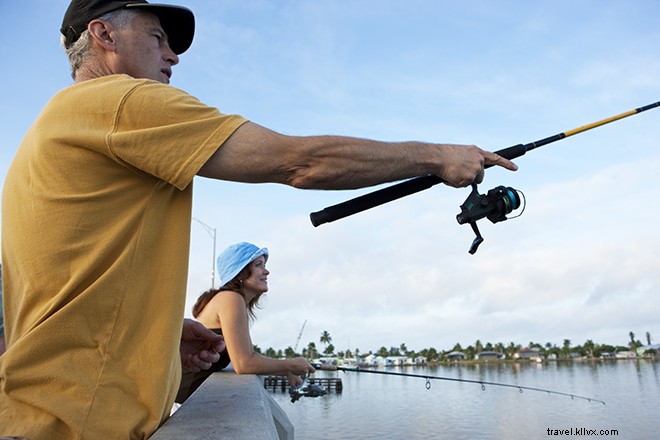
{"x":375,"y":406}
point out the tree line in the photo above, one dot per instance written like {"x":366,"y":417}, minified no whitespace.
{"x":565,"y":351}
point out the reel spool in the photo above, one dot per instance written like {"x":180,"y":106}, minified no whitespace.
{"x":495,"y":205}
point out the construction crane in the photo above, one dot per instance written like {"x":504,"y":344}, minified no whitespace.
{"x":299,"y":336}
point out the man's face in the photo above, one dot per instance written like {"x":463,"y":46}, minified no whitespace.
{"x":143,"y":50}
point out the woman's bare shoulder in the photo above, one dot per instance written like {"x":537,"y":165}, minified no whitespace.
{"x":227,"y":298}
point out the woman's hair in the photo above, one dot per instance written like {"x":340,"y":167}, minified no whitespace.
{"x":80,"y":49}
{"x":235,"y":285}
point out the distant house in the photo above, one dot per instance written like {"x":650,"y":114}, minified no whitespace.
{"x":374,"y":361}
{"x":528,"y":354}
{"x":419,"y":360}
{"x":489,"y":356}
{"x":395,"y":361}
{"x":328,"y":360}
{"x":625,"y":355}
{"x":641,"y":350}
{"x":455,"y":356}
{"x":350,"y":362}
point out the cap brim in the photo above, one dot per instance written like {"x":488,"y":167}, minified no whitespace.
{"x":177,"y":22}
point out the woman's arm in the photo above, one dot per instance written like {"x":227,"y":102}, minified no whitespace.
{"x":232,"y":314}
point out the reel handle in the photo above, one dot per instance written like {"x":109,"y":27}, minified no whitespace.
{"x":385,"y":195}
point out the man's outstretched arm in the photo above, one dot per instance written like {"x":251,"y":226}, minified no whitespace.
{"x":255,"y":154}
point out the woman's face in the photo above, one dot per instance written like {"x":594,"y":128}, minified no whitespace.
{"x":258,"y":279}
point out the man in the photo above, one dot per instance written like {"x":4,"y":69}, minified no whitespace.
{"x":2,"y":323}
{"x":96,"y":220}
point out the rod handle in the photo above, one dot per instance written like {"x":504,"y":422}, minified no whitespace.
{"x":396,"y":191}
{"x":511,"y":152}
{"x":373,"y":199}
{"x":324,"y":367}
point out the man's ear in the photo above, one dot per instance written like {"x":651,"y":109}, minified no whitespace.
{"x":101,"y":33}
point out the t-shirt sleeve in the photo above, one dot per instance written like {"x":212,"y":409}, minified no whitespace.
{"x":168,"y":133}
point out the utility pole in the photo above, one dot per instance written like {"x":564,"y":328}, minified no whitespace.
{"x":211,"y":232}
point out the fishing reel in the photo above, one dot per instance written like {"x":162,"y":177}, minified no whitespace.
{"x":306,"y":390}
{"x":495,"y":205}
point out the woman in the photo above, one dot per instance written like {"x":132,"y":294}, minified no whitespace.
{"x":229,"y":310}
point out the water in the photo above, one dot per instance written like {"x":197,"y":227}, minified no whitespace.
{"x":374,"y":406}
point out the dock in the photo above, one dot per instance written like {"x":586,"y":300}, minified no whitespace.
{"x":275,"y":383}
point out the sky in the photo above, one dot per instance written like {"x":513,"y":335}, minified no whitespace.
{"x":580,"y":263}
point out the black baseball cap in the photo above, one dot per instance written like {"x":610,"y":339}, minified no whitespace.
{"x":177,"y":22}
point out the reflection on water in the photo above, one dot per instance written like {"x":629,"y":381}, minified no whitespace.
{"x":393,"y":407}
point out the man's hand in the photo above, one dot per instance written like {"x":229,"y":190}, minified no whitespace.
{"x":200,"y":347}
{"x":464,"y":164}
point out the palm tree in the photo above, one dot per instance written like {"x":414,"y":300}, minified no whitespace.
{"x":325,"y":338}
{"x":329,"y":350}
{"x":511,"y":349}
{"x":311,"y":351}
{"x":566,"y":348}
{"x":432,"y":355}
{"x":589,"y":346}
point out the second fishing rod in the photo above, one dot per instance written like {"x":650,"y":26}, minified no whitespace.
{"x":428,"y":378}
{"x":494,"y":205}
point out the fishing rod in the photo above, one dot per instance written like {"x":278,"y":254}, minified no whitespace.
{"x":428,"y":378}
{"x":495,"y":205}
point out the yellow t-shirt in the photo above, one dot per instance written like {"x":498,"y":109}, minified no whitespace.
{"x":96,"y":215}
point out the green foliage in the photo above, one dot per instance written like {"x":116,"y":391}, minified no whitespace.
{"x":289,"y":353}
{"x":329,"y":350}
{"x":589,"y":349}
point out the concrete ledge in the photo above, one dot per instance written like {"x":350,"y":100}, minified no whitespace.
{"x":228,"y":406}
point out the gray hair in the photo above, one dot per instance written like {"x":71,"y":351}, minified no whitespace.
{"x":80,"y":49}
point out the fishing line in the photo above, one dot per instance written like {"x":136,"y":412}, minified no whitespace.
{"x":428,"y":378}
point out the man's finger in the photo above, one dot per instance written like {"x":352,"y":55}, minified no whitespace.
{"x":496,"y":159}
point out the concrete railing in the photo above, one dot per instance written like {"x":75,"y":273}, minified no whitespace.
{"x":228,"y":406}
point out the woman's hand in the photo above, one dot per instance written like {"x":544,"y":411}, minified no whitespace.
{"x":298,"y":368}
